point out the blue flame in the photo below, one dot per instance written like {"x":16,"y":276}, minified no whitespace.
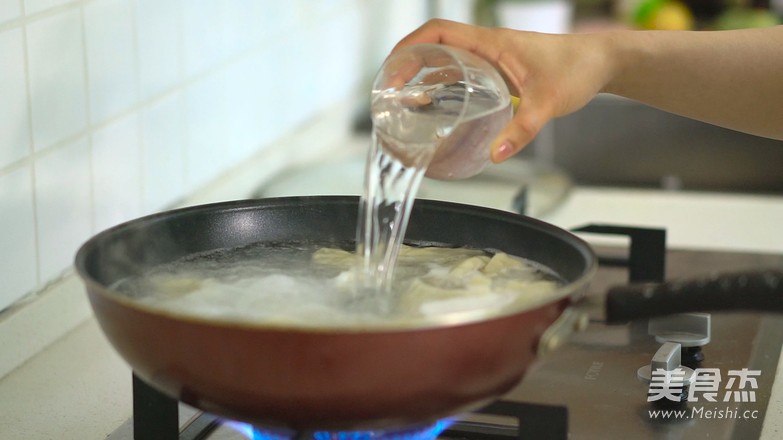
{"x":243,"y":428}
{"x":427,"y":432}
{"x":417,"y":433}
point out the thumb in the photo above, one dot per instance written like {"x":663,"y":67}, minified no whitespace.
{"x":520,"y":131}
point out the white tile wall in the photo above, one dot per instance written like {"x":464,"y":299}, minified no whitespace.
{"x":158,"y":43}
{"x":116,"y":172}
{"x":14,"y":127}
{"x":111,"y":57}
{"x":163,"y":147}
{"x":17,"y":221}
{"x":58,"y":95}
{"x":9,"y":10}
{"x":63,"y":205}
{"x":111,"y":109}
{"x":206,"y":113}
{"x":33,"y":6}
{"x":204,"y":34}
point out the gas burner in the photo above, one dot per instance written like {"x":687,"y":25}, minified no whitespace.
{"x":157,"y":417}
{"x":422,"y":432}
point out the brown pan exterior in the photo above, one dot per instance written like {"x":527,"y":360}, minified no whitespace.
{"x":306,"y":378}
{"x":325,"y":379}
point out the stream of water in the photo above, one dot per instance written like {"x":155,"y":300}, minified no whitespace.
{"x":407,"y":138}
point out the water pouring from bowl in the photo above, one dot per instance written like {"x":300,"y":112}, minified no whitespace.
{"x":435,"y":109}
{"x":438,"y":107}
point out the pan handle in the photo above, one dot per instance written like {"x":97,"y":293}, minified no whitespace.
{"x":760,"y":290}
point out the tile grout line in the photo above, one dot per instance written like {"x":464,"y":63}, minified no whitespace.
{"x":30,"y":151}
{"x":139,"y":117}
{"x":89,"y":130}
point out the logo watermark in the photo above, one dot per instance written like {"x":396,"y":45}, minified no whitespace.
{"x":705,"y":385}
{"x":701,"y":412}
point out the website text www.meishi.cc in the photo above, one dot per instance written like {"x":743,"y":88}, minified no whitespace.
{"x":702,"y":412}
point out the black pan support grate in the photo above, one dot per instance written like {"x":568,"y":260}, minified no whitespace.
{"x":156,"y":415}
{"x":646,"y":260}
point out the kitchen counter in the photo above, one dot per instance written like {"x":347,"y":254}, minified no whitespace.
{"x":78,"y":388}
{"x":708,"y":221}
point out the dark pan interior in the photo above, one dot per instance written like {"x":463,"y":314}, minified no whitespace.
{"x":133,"y":247}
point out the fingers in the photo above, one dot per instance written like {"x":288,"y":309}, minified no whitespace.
{"x":439,"y":31}
{"x":405,"y":65}
{"x":519,"y":132}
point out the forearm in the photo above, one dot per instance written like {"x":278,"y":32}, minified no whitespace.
{"x":730,"y":78}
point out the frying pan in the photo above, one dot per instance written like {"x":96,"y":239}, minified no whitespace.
{"x":329,"y":378}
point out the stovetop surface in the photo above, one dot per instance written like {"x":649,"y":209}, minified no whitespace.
{"x":594,"y":374}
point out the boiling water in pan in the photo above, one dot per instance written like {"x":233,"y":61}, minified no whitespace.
{"x":310,"y":285}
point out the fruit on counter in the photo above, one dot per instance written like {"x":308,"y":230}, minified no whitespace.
{"x":671,"y":15}
{"x":741,"y":18}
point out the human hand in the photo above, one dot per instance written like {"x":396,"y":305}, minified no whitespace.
{"x":552,"y":75}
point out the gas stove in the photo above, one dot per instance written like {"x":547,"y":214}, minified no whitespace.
{"x":596,"y":375}
{"x":590,"y":386}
